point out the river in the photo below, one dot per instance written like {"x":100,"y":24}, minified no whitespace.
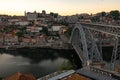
{"x":37,"y":61}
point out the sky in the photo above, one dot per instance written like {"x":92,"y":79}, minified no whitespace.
{"x":63,"y":7}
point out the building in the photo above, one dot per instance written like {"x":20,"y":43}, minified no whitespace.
{"x":34,"y":29}
{"x":76,"y":77}
{"x":32,"y":16}
{"x":85,"y":73}
{"x":22,"y":23}
{"x":55,"y":30}
{"x":68,"y":75}
{"x":20,"y":76}
{"x":71,"y":19}
{"x":1,"y":39}
{"x":10,"y":39}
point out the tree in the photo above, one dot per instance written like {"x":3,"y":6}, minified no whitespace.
{"x":13,"y":27}
{"x":67,"y":65}
{"x":51,"y":13}
{"x":55,"y":15}
{"x":1,"y":78}
{"x":95,"y":19}
{"x":8,"y":30}
{"x":103,"y":14}
{"x":19,"y":34}
{"x":64,"y":23}
{"x":115,"y":14}
{"x":22,"y":28}
{"x":45,"y":30}
{"x":68,"y":32}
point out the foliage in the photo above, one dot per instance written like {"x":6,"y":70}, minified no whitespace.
{"x":68,"y":32}
{"x":95,"y":19}
{"x":8,"y":30}
{"x":45,"y":30}
{"x":61,"y":22}
{"x":55,"y":15}
{"x":1,"y":30}
{"x":64,"y":23}
{"x":13,"y":26}
{"x":1,"y":78}
{"x":115,"y":14}
{"x":103,"y":14}
{"x":51,"y":13}
{"x":66,"y":65}
{"x":22,"y":28}
{"x":19,"y":34}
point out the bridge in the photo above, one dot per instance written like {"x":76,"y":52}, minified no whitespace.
{"x":84,"y":43}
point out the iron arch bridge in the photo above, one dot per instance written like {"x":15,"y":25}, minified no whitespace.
{"x":84,"y":44}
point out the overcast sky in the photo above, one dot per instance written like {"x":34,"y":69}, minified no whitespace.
{"x":63,"y":7}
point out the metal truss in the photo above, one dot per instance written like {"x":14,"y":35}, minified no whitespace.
{"x":114,"y":54}
{"x":84,"y":44}
{"x":109,"y":29}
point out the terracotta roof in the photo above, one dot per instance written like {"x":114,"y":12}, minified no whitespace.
{"x":117,"y":69}
{"x":76,"y":77}
{"x":20,"y":76}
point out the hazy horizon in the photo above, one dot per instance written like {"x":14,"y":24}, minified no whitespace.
{"x":63,"y":7}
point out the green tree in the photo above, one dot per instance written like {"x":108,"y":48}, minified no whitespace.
{"x":19,"y":34}
{"x":66,"y":65}
{"x":95,"y":19}
{"x":13,"y":26}
{"x":115,"y":14}
{"x":103,"y":14}
{"x":51,"y":13}
{"x":23,"y":28}
{"x":1,"y":78}
{"x":55,"y":15}
{"x":8,"y":30}
{"x":64,"y":23}
{"x":45,"y":30}
{"x":68,"y":32}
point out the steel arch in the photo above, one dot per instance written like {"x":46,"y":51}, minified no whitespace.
{"x":84,"y":44}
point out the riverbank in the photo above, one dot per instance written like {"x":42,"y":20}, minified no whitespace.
{"x":61,"y":47}
{"x":40,"y":61}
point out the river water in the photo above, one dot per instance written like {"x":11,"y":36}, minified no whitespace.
{"x":38,"y":62}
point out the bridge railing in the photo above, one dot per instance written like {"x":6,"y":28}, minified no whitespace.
{"x":110,"y":29}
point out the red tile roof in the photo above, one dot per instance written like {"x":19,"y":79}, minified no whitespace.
{"x":20,"y":76}
{"x":76,"y":77}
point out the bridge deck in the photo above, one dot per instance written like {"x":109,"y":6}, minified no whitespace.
{"x":109,"y":29}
